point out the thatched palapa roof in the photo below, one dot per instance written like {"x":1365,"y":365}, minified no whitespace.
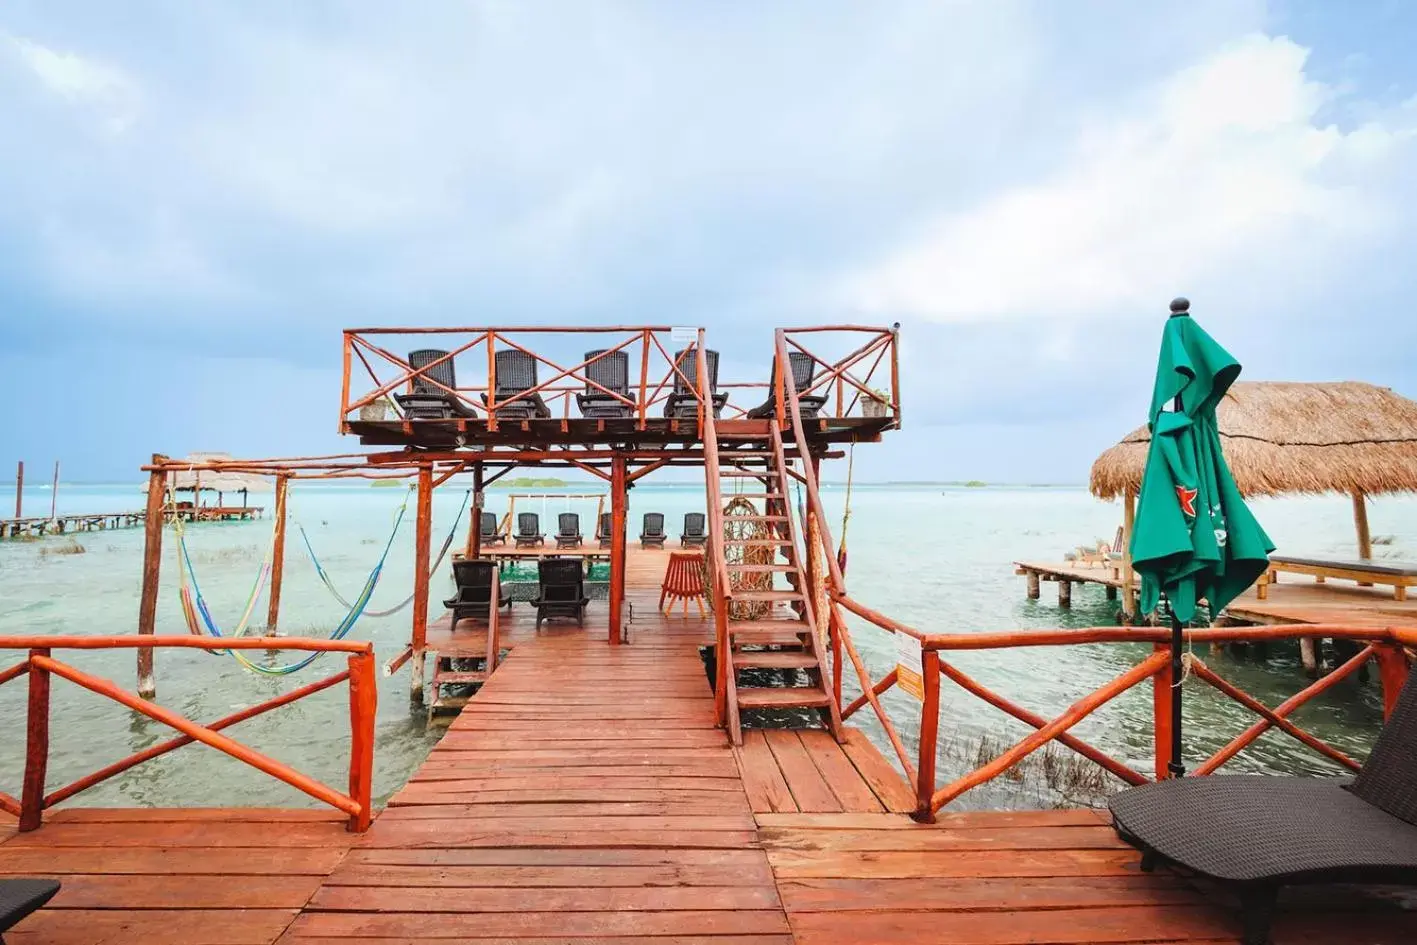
{"x":1290,"y":437}
{"x":215,"y":480}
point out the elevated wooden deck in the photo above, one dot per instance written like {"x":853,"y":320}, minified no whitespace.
{"x":1293,"y":599}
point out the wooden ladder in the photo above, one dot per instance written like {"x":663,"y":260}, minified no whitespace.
{"x":786,"y":639}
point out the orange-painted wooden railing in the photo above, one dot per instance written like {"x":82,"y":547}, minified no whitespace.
{"x":40,"y":667}
{"x":1387,"y":646}
{"x":659,"y":369}
{"x":725,"y":699}
{"x":838,"y":379}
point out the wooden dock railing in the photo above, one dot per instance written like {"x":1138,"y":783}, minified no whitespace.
{"x":39,"y":666}
{"x":847,"y":393}
{"x":648,"y":347}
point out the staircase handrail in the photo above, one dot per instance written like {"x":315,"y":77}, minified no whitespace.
{"x":722,"y":593}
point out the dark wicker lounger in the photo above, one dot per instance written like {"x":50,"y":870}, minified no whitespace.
{"x":20,"y":897}
{"x":1244,"y":829}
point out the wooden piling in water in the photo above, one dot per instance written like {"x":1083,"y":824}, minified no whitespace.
{"x":152,"y":565}
{"x":277,"y":554}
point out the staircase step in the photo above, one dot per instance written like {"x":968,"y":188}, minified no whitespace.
{"x":756,"y":542}
{"x":755,"y":518}
{"x":768,"y":632}
{"x":731,"y":455}
{"x":767,"y":595}
{"x":757,"y":495}
{"x":774,"y":659}
{"x":745,"y":473}
{"x":449,"y":678}
{"x":756,"y":697}
{"x":762,"y":568}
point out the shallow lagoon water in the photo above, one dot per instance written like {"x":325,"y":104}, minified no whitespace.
{"x":935,"y":557}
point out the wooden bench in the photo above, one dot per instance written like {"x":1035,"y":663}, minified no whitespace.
{"x":1395,"y":574}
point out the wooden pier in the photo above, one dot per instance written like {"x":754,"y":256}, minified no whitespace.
{"x":36,"y":527}
{"x":585,"y":795}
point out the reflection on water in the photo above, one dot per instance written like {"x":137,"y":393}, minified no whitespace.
{"x":940,"y":560}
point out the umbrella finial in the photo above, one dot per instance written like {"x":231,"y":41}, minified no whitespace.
{"x":1180,"y":306}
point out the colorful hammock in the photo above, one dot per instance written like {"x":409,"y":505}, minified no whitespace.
{"x":329,"y":584}
{"x":194,"y":605}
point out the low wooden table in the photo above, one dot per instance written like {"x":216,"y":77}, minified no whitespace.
{"x":1395,"y":574}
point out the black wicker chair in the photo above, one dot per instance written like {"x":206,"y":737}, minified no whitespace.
{"x":804,"y":368}
{"x":1244,"y":829}
{"x":516,"y":372}
{"x":694,"y":535}
{"x":561,"y":591}
{"x":602,"y":529}
{"x":683,"y":401}
{"x":428,"y":400}
{"x":652,"y":534}
{"x":20,"y":897}
{"x":612,"y":372}
{"x":568,"y":530}
{"x":490,"y":533}
{"x":529,"y":531}
{"x":474,"y":597}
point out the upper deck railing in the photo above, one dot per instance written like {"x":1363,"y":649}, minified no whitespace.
{"x":855,"y":371}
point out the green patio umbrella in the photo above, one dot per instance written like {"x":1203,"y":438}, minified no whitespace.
{"x":1194,"y":537}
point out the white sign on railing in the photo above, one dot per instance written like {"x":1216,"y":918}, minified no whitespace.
{"x":907,"y":665}
{"x":683,"y":336}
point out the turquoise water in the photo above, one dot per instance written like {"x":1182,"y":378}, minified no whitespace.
{"x":937,"y":558}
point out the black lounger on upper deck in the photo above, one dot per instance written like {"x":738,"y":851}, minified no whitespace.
{"x":612,"y":373}
{"x":516,"y":373}
{"x":21,"y":896}
{"x":804,"y":368}
{"x":1266,"y":832}
{"x":683,"y":401}
{"x":429,"y":400}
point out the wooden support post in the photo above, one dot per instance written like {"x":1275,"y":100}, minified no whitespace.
{"x":474,"y":534}
{"x":617,"y":547}
{"x":1360,"y":522}
{"x":816,"y":590}
{"x":1161,"y":714}
{"x":277,"y":554}
{"x":1129,"y":520}
{"x":1111,"y":592}
{"x":54,"y":494}
{"x":36,"y":745}
{"x":422,"y":536}
{"x":363,"y":707}
{"x":1033,"y":589}
{"x":1065,"y":594}
{"x":929,"y":733}
{"x":20,"y":490}
{"x":152,"y":567}
{"x":1308,"y":655}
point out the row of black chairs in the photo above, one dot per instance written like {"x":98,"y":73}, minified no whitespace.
{"x":568,"y":530}
{"x":560,"y":590}
{"x":608,"y":380}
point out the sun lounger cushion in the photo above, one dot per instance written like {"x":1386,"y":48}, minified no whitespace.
{"x":1390,"y":568}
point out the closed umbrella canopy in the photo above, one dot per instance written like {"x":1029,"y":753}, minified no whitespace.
{"x":1194,"y":536}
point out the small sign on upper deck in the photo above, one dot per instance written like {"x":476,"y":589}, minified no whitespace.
{"x":683,"y":336}
{"x":907,"y":665}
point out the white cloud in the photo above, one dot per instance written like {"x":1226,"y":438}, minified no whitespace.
{"x":109,"y":91}
{"x":1223,"y":166}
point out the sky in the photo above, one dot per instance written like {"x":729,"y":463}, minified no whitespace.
{"x":195,"y":198}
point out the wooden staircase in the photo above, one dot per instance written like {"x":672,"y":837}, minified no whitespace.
{"x":787,"y":638}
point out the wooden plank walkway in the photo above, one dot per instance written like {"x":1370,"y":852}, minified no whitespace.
{"x":1292,"y":600}
{"x":584,"y":796}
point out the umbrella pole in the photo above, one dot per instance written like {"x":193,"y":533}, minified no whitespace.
{"x":1175,"y":765}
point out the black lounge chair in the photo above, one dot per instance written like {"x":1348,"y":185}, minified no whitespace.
{"x":652,"y":535}
{"x":568,"y":530}
{"x":490,"y":534}
{"x":602,"y":529}
{"x":683,"y":401}
{"x":20,"y":897}
{"x":474,"y":597}
{"x":1266,"y":832}
{"x":612,"y":372}
{"x":694,"y":535}
{"x":804,"y":368}
{"x":529,"y":531}
{"x":562,"y":590}
{"x":428,"y":400}
{"x":516,"y":372}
